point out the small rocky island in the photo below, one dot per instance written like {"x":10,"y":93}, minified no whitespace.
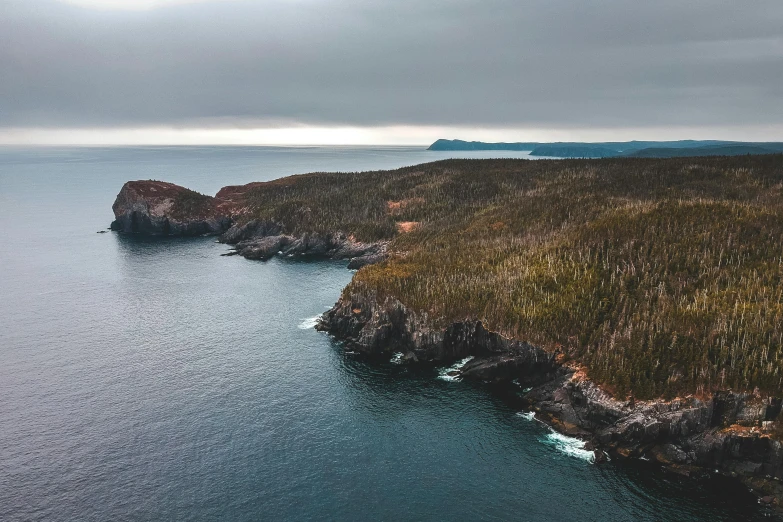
{"x":634,"y":303}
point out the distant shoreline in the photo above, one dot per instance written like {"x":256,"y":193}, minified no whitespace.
{"x":626,"y":149}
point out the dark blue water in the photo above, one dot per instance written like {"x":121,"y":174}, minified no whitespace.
{"x":156,"y":380}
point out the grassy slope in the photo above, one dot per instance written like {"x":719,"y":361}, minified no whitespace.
{"x":662,"y":276}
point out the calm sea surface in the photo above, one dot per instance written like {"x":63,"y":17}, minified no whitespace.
{"x":145,"y":379}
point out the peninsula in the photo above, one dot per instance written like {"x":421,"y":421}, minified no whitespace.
{"x":617,"y":149}
{"x":635,"y":303}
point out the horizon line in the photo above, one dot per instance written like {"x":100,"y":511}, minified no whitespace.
{"x":301,"y":135}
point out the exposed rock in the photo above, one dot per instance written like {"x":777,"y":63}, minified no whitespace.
{"x":525,"y":363}
{"x":722,"y":432}
{"x":382,"y":329}
{"x":599,"y":456}
{"x":159,"y":208}
{"x":669,"y":454}
{"x":263,"y":240}
{"x":250,"y":230}
{"x":262,"y":248}
{"x":369,"y":259}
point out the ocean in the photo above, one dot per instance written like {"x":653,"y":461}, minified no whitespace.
{"x":152,"y":379}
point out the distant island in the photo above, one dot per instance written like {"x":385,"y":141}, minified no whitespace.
{"x":639,"y":149}
{"x":635,"y":303}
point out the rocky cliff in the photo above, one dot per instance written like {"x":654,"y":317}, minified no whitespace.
{"x":265,"y":239}
{"x":735,"y":433}
{"x":160,"y":208}
{"x":165,"y":209}
{"x":732,"y":433}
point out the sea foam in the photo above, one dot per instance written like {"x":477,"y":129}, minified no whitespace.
{"x":309,"y":323}
{"x":569,"y":445}
{"x":443,"y":373}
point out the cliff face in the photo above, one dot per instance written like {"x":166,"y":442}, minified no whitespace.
{"x":729,"y":432}
{"x":159,"y":208}
{"x":389,"y":327}
{"x":165,"y":209}
{"x":265,"y":239}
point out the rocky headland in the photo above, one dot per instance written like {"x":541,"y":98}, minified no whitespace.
{"x":633,"y":304}
{"x":160,"y":208}
{"x":157,"y":208}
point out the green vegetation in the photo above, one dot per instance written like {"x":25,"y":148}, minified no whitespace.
{"x":189,"y":203}
{"x":661,"y":276}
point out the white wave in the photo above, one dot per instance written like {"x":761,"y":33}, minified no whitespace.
{"x":568,"y":445}
{"x":529,"y":415}
{"x":397,"y":358}
{"x":443,"y":373}
{"x":309,"y":323}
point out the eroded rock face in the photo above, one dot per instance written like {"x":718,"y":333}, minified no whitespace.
{"x":387,"y":327}
{"x":160,"y":208}
{"x":263,"y":240}
{"x":165,"y":209}
{"x":725,"y":432}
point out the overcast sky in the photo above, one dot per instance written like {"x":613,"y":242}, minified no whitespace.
{"x":395,"y":71}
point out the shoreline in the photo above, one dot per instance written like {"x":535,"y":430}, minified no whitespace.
{"x":407,"y":225}
{"x":688,"y":436}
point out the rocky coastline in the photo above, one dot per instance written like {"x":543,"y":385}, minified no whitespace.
{"x":156,"y":208}
{"x":727,"y":433}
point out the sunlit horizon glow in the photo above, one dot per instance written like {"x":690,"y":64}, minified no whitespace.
{"x":355,"y":135}
{"x":134,"y":5}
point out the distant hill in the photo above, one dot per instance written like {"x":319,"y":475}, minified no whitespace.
{"x":722,"y":150}
{"x":479,"y":145}
{"x":574,"y":150}
{"x":642,"y":149}
{"x":577,"y":150}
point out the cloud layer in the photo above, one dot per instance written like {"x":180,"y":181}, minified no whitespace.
{"x":497,"y":63}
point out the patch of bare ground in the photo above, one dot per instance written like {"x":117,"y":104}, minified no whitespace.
{"x":407,"y":226}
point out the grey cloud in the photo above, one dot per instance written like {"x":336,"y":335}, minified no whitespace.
{"x":460,"y":62}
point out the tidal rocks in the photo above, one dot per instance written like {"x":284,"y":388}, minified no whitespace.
{"x":263,"y":240}
{"x":159,"y":208}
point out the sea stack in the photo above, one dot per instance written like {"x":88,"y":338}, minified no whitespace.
{"x":165,"y":209}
